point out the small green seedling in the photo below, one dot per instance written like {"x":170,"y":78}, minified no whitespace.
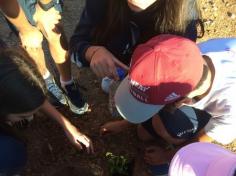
{"x":117,"y":165}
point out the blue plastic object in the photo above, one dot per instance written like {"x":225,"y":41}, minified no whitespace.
{"x":121,"y":73}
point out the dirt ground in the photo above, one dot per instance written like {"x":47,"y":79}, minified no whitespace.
{"x":51,"y":154}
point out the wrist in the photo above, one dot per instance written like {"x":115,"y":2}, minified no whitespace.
{"x":90,"y":52}
{"x":69,"y":127}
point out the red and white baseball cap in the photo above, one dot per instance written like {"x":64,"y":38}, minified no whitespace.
{"x":203,"y":159}
{"x":162,"y":70}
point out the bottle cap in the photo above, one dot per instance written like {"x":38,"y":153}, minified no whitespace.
{"x":121,"y":73}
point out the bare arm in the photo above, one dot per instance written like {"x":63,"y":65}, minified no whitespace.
{"x":74,"y":135}
{"x":14,"y":13}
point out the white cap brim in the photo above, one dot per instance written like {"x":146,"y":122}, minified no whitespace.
{"x":130,"y":108}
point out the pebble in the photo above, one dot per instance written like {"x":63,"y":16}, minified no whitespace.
{"x":211,"y":2}
{"x":208,"y":21}
{"x":231,"y":15}
{"x":215,"y":8}
{"x":227,"y":4}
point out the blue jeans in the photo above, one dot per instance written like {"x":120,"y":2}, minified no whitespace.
{"x":12,"y":155}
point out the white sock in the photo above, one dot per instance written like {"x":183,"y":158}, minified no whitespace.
{"x":65,"y":83}
{"x":46,"y":75}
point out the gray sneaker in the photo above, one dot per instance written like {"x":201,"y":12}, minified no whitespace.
{"x":55,"y":90}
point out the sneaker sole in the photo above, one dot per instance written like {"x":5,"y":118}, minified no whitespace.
{"x":63,"y":100}
{"x":76,"y":110}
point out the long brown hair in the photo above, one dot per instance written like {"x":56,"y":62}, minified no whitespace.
{"x":27,"y":67}
{"x":116,"y":20}
{"x":22,"y":88}
{"x":169,"y":16}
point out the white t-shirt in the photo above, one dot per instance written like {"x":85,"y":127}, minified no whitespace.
{"x":221,"y":100}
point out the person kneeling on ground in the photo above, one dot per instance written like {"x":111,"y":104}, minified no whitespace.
{"x":22,"y":93}
{"x":175,"y":93}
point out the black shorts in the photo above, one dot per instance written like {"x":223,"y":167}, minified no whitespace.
{"x":184,"y":123}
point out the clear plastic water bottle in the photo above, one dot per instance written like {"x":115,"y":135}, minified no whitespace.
{"x":114,"y":85}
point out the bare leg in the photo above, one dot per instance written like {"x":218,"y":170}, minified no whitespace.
{"x":37,"y":55}
{"x":58,"y":46}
